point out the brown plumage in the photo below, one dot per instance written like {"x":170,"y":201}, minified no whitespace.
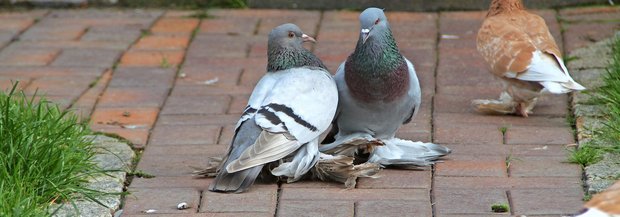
{"x":520,"y":50}
{"x":606,"y":203}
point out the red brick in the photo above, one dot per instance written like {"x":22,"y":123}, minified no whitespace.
{"x":547,"y":201}
{"x":184,"y":135}
{"x":539,"y":135}
{"x":175,"y":25}
{"x":162,"y":42}
{"x":137,"y":137}
{"x":233,"y":27}
{"x":128,"y":117}
{"x":238,"y":104}
{"x":143,"y":77}
{"x":162,"y":182}
{"x":468,"y":134}
{"x":28,"y":57}
{"x":206,"y":151}
{"x":394,"y":208}
{"x":227,"y":134}
{"x":16,"y":25}
{"x":316,"y":208}
{"x":86,"y":102}
{"x":191,"y":105}
{"x":198,"y":119}
{"x":215,"y":214}
{"x":198,"y":75}
{"x":260,"y":198}
{"x":197,"y":90}
{"x":103,"y":58}
{"x":400,"y":179}
{"x":152,"y":58}
{"x":354,"y":194}
{"x":53,"y":33}
{"x":59,"y":87}
{"x":171,"y":165}
{"x":142,"y":199}
{"x":543,"y":167}
{"x":467,"y":201}
{"x":314,"y":184}
{"x":153,"y":97}
{"x":480,"y":182}
{"x":472,"y":166}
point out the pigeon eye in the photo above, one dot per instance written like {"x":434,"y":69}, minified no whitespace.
{"x":291,"y":34}
{"x":376,"y":21}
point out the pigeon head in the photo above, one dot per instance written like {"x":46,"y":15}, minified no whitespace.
{"x":288,"y":36}
{"x":372,"y":22}
{"x":502,"y":6}
{"x":285,"y":50}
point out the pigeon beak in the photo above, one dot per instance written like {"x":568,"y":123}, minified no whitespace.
{"x":307,"y":38}
{"x":365,"y":33}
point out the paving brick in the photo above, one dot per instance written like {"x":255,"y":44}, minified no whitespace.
{"x":303,"y":183}
{"x":225,"y":214}
{"x":467,"y":201}
{"x":539,"y":135}
{"x":111,"y":33}
{"x":175,"y":165}
{"x":480,"y":182}
{"x":19,"y":56}
{"x":393,"y":208}
{"x":196,"y":105}
{"x":162,"y":42}
{"x":316,"y":208}
{"x":474,"y":166}
{"x":53,"y":33}
{"x":227,"y":134}
{"x":56,"y":87}
{"x":505,"y":150}
{"x":400,"y":179}
{"x":198,"y":75}
{"x":163,"y":59}
{"x":129,"y":97}
{"x":197,"y":90}
{"x":175,"y":25}
{"x":238,"y":104}
{"x":198,"y":119}
{"x":143,"y":77}
{"x":86,"y":103}
{"x":206,"y":151}
{"x":354,"y":194}
{"x":260,"y":198}
{"x":87,"y":57}
{"x":142,"y":199}
{"x":547,"y":201}
{"x":137,"y":137}
{"x":543,"y":167}
{"x":468,"y":134}
{"x":187,"y":134}
{"x":125,"y":117}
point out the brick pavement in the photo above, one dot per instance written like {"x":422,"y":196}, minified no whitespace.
{"x":174,"y":86}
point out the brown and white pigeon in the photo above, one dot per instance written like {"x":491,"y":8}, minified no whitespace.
{"x":522,"y":53}
{"x":289,"y":108}
{"x":604,"y":204}
{"x":379,"y":91}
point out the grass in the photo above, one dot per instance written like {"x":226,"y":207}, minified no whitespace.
{"x":164,"y":64}
{"x":500,"y":207}
{"x":605,"y":139}
{"x":45,"y":157}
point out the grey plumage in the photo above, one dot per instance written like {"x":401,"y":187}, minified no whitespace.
{"x":378,"y":92}
{"x":289,"y":108}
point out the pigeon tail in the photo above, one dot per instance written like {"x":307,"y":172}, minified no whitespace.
{"x":399,"y":152}
{"x":305,"y":158}
{"x":494,"y":107}
{"x":235,"y":182}
{"x":349,"y":144}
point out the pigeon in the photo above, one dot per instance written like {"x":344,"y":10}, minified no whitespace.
{"x":522,"y":53}
{"x":378,"y":92}
{"x":292,"y":104}
{"x":606,"y":203}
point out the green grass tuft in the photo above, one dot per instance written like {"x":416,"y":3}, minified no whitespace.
{"x":44,"y":156}
{"x":500,"y":207}
{"x":585,"y":155}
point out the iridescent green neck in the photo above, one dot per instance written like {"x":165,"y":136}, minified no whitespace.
{"x":286,"y":58}
{"x":378,"y":56}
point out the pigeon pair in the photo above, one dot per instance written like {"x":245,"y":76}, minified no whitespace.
{"x":374,"y":92}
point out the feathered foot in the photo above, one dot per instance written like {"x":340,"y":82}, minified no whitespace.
{"x":340,"y":168}
{"x":407,"y":154}
{"x":351,"y":144}
{"x":211,"y":170}
{"x":494,"y":107}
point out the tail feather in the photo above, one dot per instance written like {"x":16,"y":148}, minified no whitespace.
{"x":235,"y":182}
{"x":400,"y":152}
{"x":489,"y":106}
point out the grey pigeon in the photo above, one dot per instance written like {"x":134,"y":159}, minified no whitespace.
{"x":379,"y":91}
{"x":289,"y":108}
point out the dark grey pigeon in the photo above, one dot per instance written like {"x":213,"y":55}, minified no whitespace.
{"x":288,"y":110}
{"x":378,"y":91}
